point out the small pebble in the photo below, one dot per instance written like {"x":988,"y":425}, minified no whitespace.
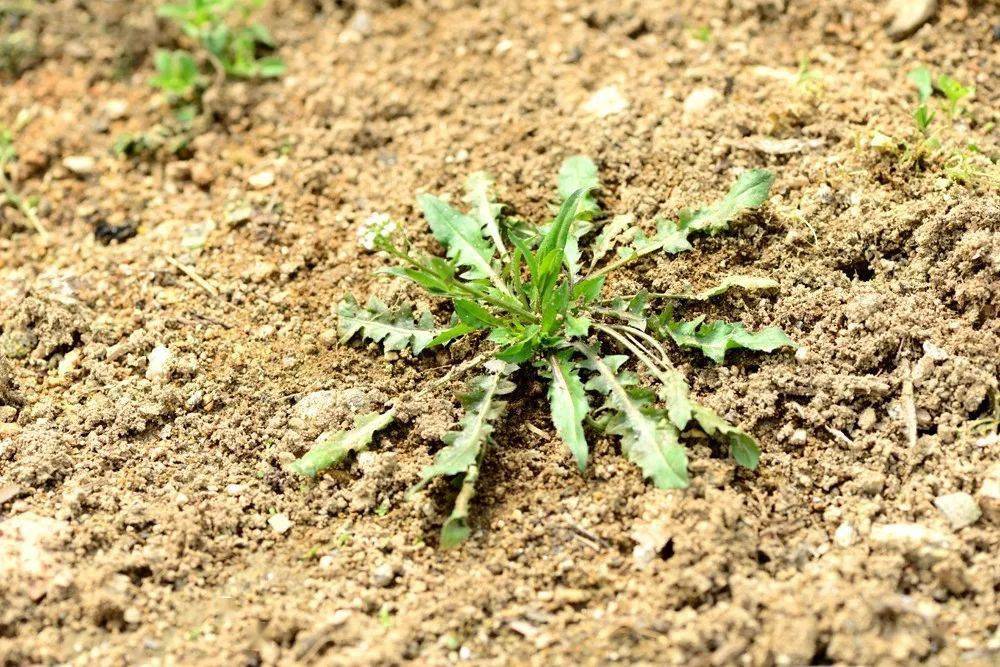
{"x":69,"y":362}
{"x":845,"y":535}
{"x":328,"y":337}
{"x":159,"y":363}
{"x":607,"y":101}
{"x":116,"y":109}
{"x":202,"y":174}
{"x":908,"y":16}
{"x":989,"y":494}
{"x":280,"y":523}
{"x":699,"y":100}
{"x":261,"y":180}
{"x":81,"y":165}
{"x":924,"y":545}
{"x":960,"y":509}
{"x":383,"y":575}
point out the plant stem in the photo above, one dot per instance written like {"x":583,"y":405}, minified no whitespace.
{"x":614,"y":266}
{"x":636,"y":349}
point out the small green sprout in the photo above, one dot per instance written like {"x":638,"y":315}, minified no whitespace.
{"x":10,"y":196}
{"x":228,"y":41}
{"x":953,"y":91}
{"x":702,"y":33}
{"x":923,"y":117}
{"x":926,"y":84}
{"x":531,"y":299}
{"x":961,"y":164}
{"x":176,"y":74}
{"x":807,"y":79}
{"x":924,"y":81}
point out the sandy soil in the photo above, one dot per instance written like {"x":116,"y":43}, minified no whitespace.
{"x":143,"y":507}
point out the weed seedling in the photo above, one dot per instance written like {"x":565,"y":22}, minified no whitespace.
{"x":532,"y":302}
{"x":224,"y":37}
{"x":953,"y":91}
{"x":8,"y":156}
{"x":962,"y":163}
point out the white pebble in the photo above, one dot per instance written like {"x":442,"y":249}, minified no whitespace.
{"x":81,"y":165}
{"x":960,"y":509}
{"x":280,"y":523}
{"x":845,"y":535}
{"x":699,"y":100}
{"x":159,"y":363}
{"x":261,"y":180}
{"x":607,"y":101}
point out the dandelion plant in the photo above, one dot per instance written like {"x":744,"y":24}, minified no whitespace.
{"x":532,"y":299}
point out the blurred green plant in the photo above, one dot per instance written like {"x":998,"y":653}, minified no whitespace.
{"x":223,"y":35}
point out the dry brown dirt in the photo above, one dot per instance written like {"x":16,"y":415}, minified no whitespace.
{"x":135,"y":505}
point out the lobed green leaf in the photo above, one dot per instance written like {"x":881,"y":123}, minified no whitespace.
{"x":482,"y":407}
{"x":462,"y":236}
{"x":648,"y":439}
{"x":395,"y":330}
{"x":742,"y":447}
{"x":333,"y":447}
{"x":486,"y":211}
{"x":715,"y":338}
{"x":580,"y":173}
{"x":750,"y":191}
{"x":568,"y":406}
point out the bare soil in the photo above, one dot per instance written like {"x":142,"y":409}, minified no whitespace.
{"x":141,"y":508}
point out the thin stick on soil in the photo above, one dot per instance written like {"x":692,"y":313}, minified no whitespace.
{"x":907,"y":406}
{"x":193,"y":275}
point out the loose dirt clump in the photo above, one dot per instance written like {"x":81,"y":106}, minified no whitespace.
{"x":173,"y":345}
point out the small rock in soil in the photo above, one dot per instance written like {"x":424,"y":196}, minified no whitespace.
{"x":328,"y":337}
{"x":280,"y":523}
{"x":313,"y":412}
{"x":81,"y":165}
{"x":159,"y":363}
{"x":699,"y":100}
{"x":261,"y":180}
{"x":960,"y":509}
{"x":202,"y":174}
{"x":908,"y":16}
{"x":384,"y":575}
{"x":116,"y":109}
{"x":607,"y":101}
{"x":361,"y":23}
{"x":106,"y":232}
{"x":989,"y":494}
{"x":923,"y":545}
{"x":845,"y":536}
